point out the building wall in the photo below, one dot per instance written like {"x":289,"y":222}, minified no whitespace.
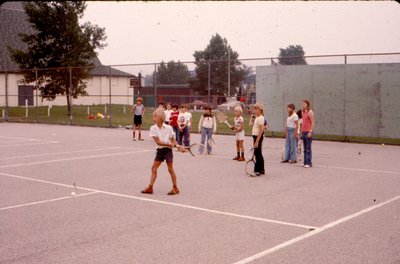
{"x":97,"y":88}
{"x":349,"y":100}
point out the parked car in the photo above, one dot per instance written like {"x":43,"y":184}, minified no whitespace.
{"x":198,"y":104}
{"x":229,"y":105}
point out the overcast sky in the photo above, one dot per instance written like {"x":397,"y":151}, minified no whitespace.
{"x":153,"y":31}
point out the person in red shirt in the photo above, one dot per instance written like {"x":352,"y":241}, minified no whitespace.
{"x":173,"y":120}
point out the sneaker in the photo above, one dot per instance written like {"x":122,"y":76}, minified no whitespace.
{"x":134,"y":139}
{"x":241,"y":159}
{"x":293,"y":161}
{"x":148,"y":190}
{"x":210,"y":153}
{"x":306,"y":166}
{"x":236,"y":158}
{"x":174,"y":191}
{"x":253,"y":174}
{"x":141,"y":139}
{"x":262,"y":172}
{"x":284,"y":161}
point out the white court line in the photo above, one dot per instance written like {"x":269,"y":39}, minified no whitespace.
{"x":27,"y":139}
{"x":30,"y":144}
{"x":326,"y":166}
{"x":72,"y":158}
{"x":60,"y":153}
{"x":167,"y":203}
{"x":46,"y":201}
{"x":315,"y":232}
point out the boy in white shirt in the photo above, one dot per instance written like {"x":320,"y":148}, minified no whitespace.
{"x":167,"y":112}
{"x":183,"y":121}
{"x":164,"y":137}
{"x":290,"y":132}
{"x":239,"y":130}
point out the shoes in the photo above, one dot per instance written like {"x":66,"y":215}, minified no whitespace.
{"x":174,"y":191}
{"x":134,"y":139}
{"x":148,"y":190}
{"x":236,"y":158}
{"x":284,"y":161}
{"x":209,"y":153}
{"x":293,"y":161}
{"x":241,"y":159}
{"x":256,"y":174}
{"x":141,"y":139}
{"x":307,"y":166}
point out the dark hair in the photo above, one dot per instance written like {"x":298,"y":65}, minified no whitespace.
{"x":299,"y":114}
{"x":161,"y":103}
{"x":175,"y":106}
{"x":291,"y":106}
{"x":308,"y":103}
{"x":207,"y":107}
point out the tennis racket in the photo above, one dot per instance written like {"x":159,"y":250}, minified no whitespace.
{"x":222,"y":118}
{"x":194,"y":149}
{"x":250,"y":163}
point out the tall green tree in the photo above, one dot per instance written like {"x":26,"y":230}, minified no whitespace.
{"x":172,"y":73}
{"x":217,"y":52}
{"x":60,"y":42}
{"x":292,"y":55}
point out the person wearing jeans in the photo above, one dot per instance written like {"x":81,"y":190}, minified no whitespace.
{"x":290,"y":132}
{"x":307,"y":131}
{"x":207,"y":126}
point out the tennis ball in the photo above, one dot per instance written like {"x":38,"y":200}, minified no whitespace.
{"x":73,"y":193}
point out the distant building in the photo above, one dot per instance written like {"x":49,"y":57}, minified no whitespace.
{"x":13,"y":21}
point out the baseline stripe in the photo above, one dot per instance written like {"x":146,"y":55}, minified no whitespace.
{"x":167,"y":203}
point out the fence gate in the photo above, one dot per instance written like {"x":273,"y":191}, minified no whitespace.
{"x":25,"y":92}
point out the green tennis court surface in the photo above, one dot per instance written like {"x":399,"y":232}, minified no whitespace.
{"x":346,"y":209}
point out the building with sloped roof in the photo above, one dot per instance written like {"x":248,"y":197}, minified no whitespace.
{"x":13,"y":92}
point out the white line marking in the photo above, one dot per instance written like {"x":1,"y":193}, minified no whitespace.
{"x":166,"y":203}
{"x":72,"y":158}
{"x":46,"y":201}
{"x":27,"y":139}
{"x":315,"y":232}
{"x":60,"y":153}
{"x":29,"y":144}
{"x":327,"y":166}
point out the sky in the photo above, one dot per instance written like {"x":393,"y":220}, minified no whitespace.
{"x":148,"y":32}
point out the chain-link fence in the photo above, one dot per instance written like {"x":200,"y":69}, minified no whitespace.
{"x":104,"y":95}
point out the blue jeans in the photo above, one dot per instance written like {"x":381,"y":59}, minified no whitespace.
{"x":307,"y":148}
{"x":176,"y":131}
{"x":291,"y":144}
{"x":205,"y":132}
{"x":184,"y":136}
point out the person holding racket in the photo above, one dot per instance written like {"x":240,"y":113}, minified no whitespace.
{"x":257,"y":132}
{"x":164,"y":137}
{"x":207,"y":126}
{"x":138,"y":110}
{"x":239,"y":130}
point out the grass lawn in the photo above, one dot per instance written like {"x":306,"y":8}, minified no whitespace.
{"x":119,"y":118}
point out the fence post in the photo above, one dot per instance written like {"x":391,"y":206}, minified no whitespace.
{"x":209,"y":82}
{"x":155,"y":85}
{"x":26,"y":108}
{"x":36,"y":95}
{"x":109,"y":94}
{"x":48,"y":110}
{"x":6,"y":92}
{"x":345,"y":59}
{"x":70,"y":93}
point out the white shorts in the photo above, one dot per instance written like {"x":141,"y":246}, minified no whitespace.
{"x":240,"y":135}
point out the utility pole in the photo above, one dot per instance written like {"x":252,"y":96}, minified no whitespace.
{"x":229,"y":73}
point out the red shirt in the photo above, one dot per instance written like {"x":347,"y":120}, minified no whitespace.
{"x":173,"y":119}
{"x":306,"y":126}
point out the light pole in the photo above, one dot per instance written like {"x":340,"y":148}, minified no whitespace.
{"x":229,"y":73}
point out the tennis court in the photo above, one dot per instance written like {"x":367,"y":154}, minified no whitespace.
{"x":346,"y":209}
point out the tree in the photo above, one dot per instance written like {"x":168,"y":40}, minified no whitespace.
{"x":217,"y":52}
{"x":292,"y":55}
{"x":58,"y":42}
{"x":172,"y":73}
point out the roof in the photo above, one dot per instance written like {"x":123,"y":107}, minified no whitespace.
{"x":13,"y":21}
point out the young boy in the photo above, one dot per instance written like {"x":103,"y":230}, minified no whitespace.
{"x":183,"y":123}
{"x":189,"y":118}
{"x":290,"y":133}
{"x":138,"y":110}
{"x":164,"y":137}
{"x":239,"y":130}
{"x":173,"y":120}
{"x":257,"y":132}
{"x":167,"y":112}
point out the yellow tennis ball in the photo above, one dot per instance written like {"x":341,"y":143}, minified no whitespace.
{"x":73,"y":193}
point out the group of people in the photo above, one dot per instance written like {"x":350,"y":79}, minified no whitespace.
{"x":172,"y":126}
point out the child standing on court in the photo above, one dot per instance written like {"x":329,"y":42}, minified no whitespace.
{"x":138,"y":110}
{"x":207,"y":126}
{"x":173,"y":120}
{"x":257,"y":132}
{"x":167,"y":112}
{"x":307,"y":131}
{"x":239,"y":130}
{"x":189,"y":118}
{"x":290,"y":132}
{"x":164,"y":137}
{"x":183,"y":123}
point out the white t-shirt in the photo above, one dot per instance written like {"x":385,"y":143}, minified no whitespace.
{"x":291,"y":120}
{"x":167,"y":114}
{"x":138,"y":109}
{"x":300,"y":122}
{"x":189,"y":118}
{"x":259,"y":121}
{"x":165,"y":133}
{"x":239,"y":121}
{"x":182,"y":119}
